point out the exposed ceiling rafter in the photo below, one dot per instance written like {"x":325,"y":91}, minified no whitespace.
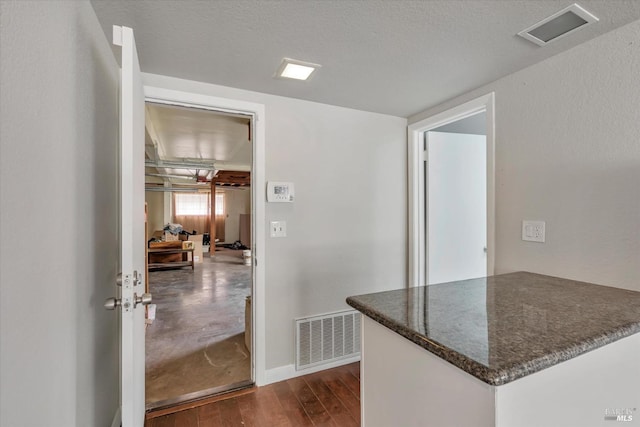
{"x":232,"y":179}
{"x":159,"y":189}
{"x":167,"y":175}
{"x":194,"y":164}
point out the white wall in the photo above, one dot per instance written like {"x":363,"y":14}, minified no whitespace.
{"x":155,"y":211}
{"x":568,"y":153}
{"x":347,"y":227}
{"x":474,"y":125}
{"x":236,"y":202}
{"x":58,"y":133}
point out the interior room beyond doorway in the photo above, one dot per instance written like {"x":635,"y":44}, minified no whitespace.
{"x":456,"y":175}
{"x":199,"y":206}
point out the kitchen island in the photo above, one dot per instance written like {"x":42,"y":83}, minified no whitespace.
{"x":514,"y":350}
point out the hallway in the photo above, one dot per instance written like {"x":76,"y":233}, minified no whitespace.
{"x":196,"y":343}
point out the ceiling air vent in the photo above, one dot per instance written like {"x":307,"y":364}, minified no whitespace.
{"x":558,"y":25}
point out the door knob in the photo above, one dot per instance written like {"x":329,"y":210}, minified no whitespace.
{"x":112,"y":303}
{"x":144,"y":299}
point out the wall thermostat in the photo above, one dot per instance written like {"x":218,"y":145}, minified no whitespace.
{"x":280,"y":191}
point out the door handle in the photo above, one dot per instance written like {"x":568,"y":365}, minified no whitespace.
{"x":112,"y":303}
{"x":144,"y":299}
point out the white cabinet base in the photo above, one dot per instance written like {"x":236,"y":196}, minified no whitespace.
{"x":405,"y":385}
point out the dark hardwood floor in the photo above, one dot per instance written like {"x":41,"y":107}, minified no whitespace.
{"x":326,"y":398}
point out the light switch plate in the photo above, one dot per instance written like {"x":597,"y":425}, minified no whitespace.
{"x":278,"y":229}
{"x":533,"y":231}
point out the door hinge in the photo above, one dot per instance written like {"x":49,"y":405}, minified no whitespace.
{"x":425,"y":155}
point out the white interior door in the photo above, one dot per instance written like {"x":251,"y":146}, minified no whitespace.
{"x":456,"y":206}
{"x":132,"y":236}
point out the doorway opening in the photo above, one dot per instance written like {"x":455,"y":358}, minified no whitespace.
{"x":198,"y":190}
{"x":451,"y":182}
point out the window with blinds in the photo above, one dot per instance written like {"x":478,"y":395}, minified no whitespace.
{"x":192,"y":204}
{"x":219,"y":203}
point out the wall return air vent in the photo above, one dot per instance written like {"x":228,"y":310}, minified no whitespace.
{"x":327,"y":338}
{"x":558,"y":25}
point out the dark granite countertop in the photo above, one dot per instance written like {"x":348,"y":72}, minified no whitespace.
{"x":505,"y":327}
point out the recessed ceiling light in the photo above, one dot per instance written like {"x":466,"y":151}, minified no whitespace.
{"x":294,"y":69}
{"x":558,"y":25}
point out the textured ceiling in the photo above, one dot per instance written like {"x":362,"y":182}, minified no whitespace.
{"x":390,"y":56}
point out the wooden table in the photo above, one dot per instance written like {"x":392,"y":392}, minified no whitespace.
{"x":170,"y":265}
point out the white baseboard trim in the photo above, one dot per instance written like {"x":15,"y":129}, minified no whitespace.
{"x":117,"y":419}
{"x":286,"y":372}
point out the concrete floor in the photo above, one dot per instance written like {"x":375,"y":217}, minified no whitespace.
{"x":196,"y":342}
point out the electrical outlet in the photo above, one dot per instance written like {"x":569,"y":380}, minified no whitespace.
{"x":278,"y":229}
{"x":533,"y":231}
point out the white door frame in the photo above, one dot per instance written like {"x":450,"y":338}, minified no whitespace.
{"x":258,"y":197}
{"x":417,"y":201}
